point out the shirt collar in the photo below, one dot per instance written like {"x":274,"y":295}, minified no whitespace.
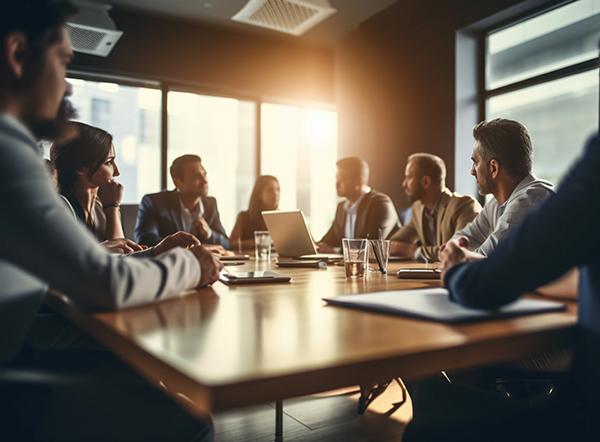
{"x":434,"y":209}
{"x":198,"y":209}
{"x":351,"y":207}
{"x":530,"y":178}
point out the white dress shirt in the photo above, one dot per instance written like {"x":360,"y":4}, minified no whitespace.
{"x":351,"y":211}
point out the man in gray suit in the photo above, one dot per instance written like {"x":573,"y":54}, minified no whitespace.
{"x":42,"y":246}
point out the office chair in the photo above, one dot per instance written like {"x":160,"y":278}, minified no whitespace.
{"x":128,"y":219}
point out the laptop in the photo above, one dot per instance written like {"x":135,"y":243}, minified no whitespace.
{"x":291,"y":236}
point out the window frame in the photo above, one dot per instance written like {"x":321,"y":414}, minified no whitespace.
{"x":166,"y":86}
{"x":556,"y":74}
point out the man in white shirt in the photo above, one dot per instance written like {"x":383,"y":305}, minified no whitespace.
{"x":502,"y":162}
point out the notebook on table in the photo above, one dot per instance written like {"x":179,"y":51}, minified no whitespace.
{"x":434,"y":304}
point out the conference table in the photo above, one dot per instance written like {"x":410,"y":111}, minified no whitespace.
{"x":224,"y":347}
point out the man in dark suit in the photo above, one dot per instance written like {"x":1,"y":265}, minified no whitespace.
{"x":188,"y":208}
{"x":365,"y":213}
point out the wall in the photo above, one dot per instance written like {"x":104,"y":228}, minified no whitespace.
{"x":395,"y":83}
{"x":218,"y":59}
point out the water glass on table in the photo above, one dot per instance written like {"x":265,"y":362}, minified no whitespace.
{"x":262,"y":245}
{"x":356,"y":253}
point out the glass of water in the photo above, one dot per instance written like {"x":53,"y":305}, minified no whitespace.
{"x":356,"y":255}
{"x":262,"y":245}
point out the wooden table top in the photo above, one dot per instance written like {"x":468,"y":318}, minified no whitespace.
{"x":225,"y":347}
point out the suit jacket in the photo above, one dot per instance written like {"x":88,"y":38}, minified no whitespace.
{"x":42,"y":244}
{"x":375,"y":211}
{"x":159,"y":215}
{"x":454,"y":212}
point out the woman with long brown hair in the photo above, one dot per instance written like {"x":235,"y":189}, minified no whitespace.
{"x":265,"y":196}
{"x":86,"y":171}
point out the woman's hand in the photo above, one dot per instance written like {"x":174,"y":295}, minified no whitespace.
{"x":110,"y":193}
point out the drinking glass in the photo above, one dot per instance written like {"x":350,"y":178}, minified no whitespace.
{"x":262,"y":245}
{"x":355,"y":257}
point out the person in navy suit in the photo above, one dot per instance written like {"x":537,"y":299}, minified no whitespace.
{"x":188,"y":208}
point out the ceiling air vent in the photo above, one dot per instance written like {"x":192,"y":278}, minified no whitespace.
{"x":92,"y":31}
{"x":291,"y":16}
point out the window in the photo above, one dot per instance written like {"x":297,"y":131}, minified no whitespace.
{"x":299,"y":147}
{"x":120,"y":110}
{"x":221,"y":131}
{"x":543,"y":73}
{"x":100,"y":114}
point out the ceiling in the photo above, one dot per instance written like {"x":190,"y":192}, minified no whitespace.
{"x":350,"y":13}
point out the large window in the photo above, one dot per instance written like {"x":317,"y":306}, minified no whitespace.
{"x":543,"y":73}
{"x":297,"y":144}
{"x":221,"y":131}
{"x":132,"y":116}
{"x":299,"y":147}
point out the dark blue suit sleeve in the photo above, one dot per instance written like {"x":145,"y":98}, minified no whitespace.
{"x":146,"y":225}
{"x":219,"y":236}
{"x":559,"y":235}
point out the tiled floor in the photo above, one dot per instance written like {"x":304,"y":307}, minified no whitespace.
{"x":326,"y":417}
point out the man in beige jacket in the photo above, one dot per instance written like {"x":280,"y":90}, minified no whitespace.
{"x":437,"y":213}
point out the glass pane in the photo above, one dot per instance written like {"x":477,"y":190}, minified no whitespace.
{"x":222,"y":132}
{"x":550,"y":41}
{"x":299,"y":147}
{"x":132,"y":116}
{"x":560,"y":115}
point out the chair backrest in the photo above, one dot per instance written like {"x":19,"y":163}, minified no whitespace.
{"x":128,"y":217}
{"x":20,"y":298}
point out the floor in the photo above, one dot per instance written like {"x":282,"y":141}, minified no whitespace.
{"x":328,"y":416}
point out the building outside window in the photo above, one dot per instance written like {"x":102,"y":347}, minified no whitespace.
{"x":543,"y":72}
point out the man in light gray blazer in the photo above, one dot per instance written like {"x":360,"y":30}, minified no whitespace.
{"x":41,"y":246}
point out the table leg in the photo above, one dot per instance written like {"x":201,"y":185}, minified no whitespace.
{"x":278,"y":420}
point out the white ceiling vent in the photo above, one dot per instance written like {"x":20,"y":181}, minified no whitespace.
{"x":92,"y":31}
{"x":291,"y":16}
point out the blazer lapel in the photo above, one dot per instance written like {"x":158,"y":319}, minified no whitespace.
{"x":418,"y":220}
{"x":209,"y":212}
{"x":441,"y":211}
{"x":175,"y":210}
{"x":360,"y":226}
{"x":340,"y":220}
